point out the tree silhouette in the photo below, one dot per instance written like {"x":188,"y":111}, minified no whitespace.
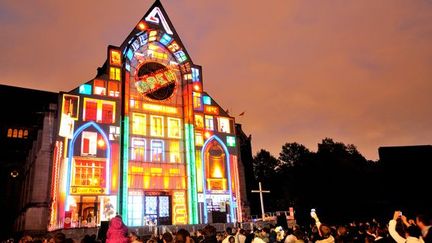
{"x":332,"y":180}
{"x":264,"y":165}
{"x":293,"y":154}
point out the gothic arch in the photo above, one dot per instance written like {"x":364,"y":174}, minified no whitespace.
{"x":71,"y":151}
{"x":227,"y":164}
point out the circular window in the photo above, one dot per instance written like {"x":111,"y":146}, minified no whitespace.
{"x":155,"y":81}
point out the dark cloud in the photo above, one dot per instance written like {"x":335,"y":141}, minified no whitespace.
{"x":357,"y":71}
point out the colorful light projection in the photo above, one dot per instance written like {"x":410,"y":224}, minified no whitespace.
{"x":224,"y":125}
{"x":153,"y":18}
{"x":71,"y":155}
{"x":215,"y":168}
{"x":156,"y":176}
{"x":70,"y":104}
{"x":142,"y":26}
{"x":115,"y":57}
{"x":85,"y":89}
{"x":206,"y":100}
{"x":195,"y":75}
{"x":154,"y":81}
{"x":101,"y":111}
{"x":228,"y":169}
{"x":66,"y":126}
{"x":164,"y":122}
{"x":212,"y":110}
{"x":231,"y":141}
{"x":123,"y":199}
{"x":209,"y":123}
{"x":167,"y":110}
{"x":58,"y":151}
{"x":149,"y":60}
{"x":191,"y":173}
{"x":179,"y":208}
{"x":160,"y":108}
{"x":237,"y":187}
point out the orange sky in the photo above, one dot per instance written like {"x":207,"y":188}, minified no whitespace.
{"x":359,"y":72}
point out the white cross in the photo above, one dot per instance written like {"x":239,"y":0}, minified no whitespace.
{"x":260,"y":191}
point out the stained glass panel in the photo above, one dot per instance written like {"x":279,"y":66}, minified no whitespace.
{"x":150,"y":205}
{"x":163,"y":206}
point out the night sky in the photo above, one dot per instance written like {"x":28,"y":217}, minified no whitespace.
{"x":359,"y":72}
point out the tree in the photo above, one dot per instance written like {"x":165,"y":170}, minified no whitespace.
{"x":337,"y":180}
{"x":293,"y":154}
{"x":264,"y":165}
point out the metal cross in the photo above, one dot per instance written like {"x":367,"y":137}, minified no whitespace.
{"x":260,"y":191}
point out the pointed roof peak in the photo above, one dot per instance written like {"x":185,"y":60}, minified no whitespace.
{"x":155,"y":16}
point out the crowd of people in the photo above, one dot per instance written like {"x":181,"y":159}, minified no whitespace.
{"x":399,"y":229}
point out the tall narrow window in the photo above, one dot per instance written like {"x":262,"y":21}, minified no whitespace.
{"x":88,"y":143}
{"x":107,"y":113}
{"x":199,"y":121}
{"x":209,"y":125}
{"x":138,"y":124}
{"x":138,"y":149}
{"x":15,"y":133}
{"x":164,"y":209}
{"x":70,"y":105}
{"x":115,"y":57}
{"x":173,"y":128}
{"x":115,"y":73}
{"x":9,"y":133}
{"x":197,"y":101}
{"x":157,"y":150}
{"x":25,"y":133}
{"x":135,"y":210}
{"x":90,"y":110}
{"x":20,"y":133}
{"x":151,"y":205}
{"x":174,"y":151}
{"x":199,"y":140}
{"x":156,"y":124}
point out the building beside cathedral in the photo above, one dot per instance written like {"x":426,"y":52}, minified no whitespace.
{"x":26,"y":134}
{"x":144,"y":140}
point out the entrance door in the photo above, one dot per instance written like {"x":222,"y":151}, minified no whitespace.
{"x":88,"y":210}
{"x":157,"y":210}
{"x":164,"y":210}
{"x":151,"y":210}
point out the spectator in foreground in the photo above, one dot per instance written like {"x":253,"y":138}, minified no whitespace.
{"x":424,"y":223}
{"x":241,"y":235}
{"x":323,"y":230}
{"x":133,"y":237}
{"x":412,"y":233}
{"x":167,"y":237}
{"x":209,"y":233}
{"x":117,"y":231}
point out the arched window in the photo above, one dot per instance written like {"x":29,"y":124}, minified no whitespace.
{"x":20,"y":133}
{"x":215,"y":164}
{"x":9,"y":133}
{"x":25,"y":134}
{"x":15,"y":133}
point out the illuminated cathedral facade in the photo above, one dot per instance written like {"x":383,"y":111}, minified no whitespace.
{"x":144,"y":140}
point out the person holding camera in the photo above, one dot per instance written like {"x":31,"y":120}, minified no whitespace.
{"x":412,"y":232}
{"x":323,"y":230}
